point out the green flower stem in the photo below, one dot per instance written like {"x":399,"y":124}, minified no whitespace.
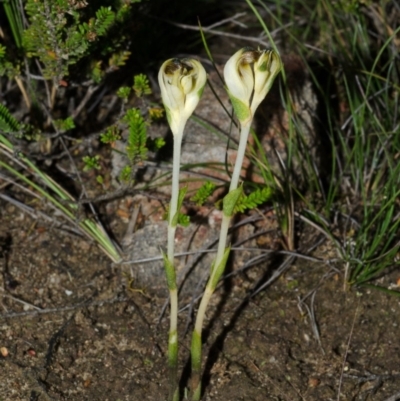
{"x":216,"y":271}
{"x":173,"y":207}
{"x":195,"y":350}
{"x":170,"y":271}
{"x":244,"y":136}
{"x":173,"y":363}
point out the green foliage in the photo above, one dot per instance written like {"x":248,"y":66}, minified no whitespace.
{"x":354,"y":190}
{"x":126,"y":174}
{"x":203,"y":193}
{"x":118,"y":59}
{"x":141,"y":85}
{"x":91,"y":162}
{"x":179,"y":218}
{"x":170,"y":272}
{"x":14,"y":17}
{"x":136,"y":148}
{"x":156,"y":113}
{"x":157,"y":143}
{"x":96,"y":71}
{"x":7,"y":122}
{"x":104,"y":19}
{"x":374,"y":245}
{"x":57,"y":195}
{"x":124,"y":92}
{"x":123,"y":11}
{"x":217,"y":271}
{"x":253,"y":200}
{"x":135,"y":123}
{"x":65,"y":125}
{"x":183,"y":220}
{"x":350,"y":6}
{"x":111,"y":135}
{"x":58,"y":37}
{"x":6,"y":66}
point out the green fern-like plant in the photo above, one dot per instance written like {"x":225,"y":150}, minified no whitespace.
{"x":104,"y":19}
{"x":141,"y":85}
{"x":136,"y":148}
{"x":111,"y":135}
{"x":253,"y":200}
{"x":118,"y":59}
{"x":203,"y":193}
{"x":138,"y":143}
{"x":8,"y":123}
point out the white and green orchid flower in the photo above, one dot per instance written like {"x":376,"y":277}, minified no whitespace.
{"x":182,"y":83}
{"x":249,"y":75}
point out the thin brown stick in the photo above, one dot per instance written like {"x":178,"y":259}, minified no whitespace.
{"x":64,"y":308}
{"x":347,"y":350}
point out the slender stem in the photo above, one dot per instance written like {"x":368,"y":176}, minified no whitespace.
{"x":209,"y":291}
{"x":196,"y":338}
{"x":174,"y":196}
{"x":173,"y":292}
{"x":244,"y":135}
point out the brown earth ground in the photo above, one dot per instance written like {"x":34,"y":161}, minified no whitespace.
{"x":75,"y":327}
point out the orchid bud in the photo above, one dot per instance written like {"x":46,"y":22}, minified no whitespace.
{"x":249,"y":75}
{"x":182,"y":83}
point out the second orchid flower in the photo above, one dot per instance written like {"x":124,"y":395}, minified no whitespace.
{"x":181,"y":83}
{"x":249,"y":75}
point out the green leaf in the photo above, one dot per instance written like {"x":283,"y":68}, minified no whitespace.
{"x":230,"y":201}
{"x":169,"y":272}
{"x":196,"y":351}
{"x":219,"y":270}
{"x":181,"y":198}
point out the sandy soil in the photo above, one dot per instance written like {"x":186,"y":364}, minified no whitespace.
{"x":75,"y":327}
